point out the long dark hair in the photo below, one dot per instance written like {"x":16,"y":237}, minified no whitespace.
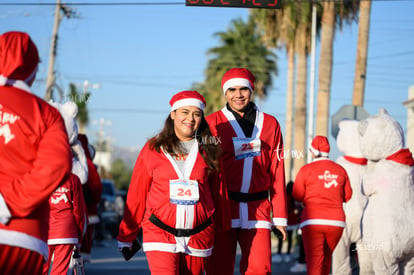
{"x":208,"y":148}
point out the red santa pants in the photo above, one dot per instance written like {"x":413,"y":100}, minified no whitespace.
{"x":167,"y":263}
{"x":17,"y":260}
{"x":255,"y":248}
{"x":319,"y":242}
{"x":62,"y":254}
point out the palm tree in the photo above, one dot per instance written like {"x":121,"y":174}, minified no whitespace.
{"x":289,"y":27}
{"x":81,"y":100}
{"x":302,"y":42}
{"x":362,"y":53}
{"x":241,"y":46}
{"x":333,"y":13}
{"x":279,"y":30}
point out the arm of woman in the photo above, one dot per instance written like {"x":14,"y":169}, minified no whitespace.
{"x":136,"y":200}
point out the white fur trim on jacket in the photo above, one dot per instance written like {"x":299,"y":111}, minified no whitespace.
{"x":322,"y":222}
{"x":79,"y":162}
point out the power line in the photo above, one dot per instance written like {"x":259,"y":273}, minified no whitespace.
{"x":163,"y":3}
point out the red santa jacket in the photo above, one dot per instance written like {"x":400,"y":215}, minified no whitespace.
{"x":35,"y":158}
{"x":253,"y":175}
{"x":323,"y":186}
{"x":67,"y":220}
{"x":92,"y":189}
{"x":149,"y":198}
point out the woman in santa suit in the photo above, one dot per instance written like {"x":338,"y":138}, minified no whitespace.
{"x":322,"y":186}
{"x":175,"y":196}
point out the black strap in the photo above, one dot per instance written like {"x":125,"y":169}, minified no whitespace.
{"x":180,"y":232}
{"x":246,"y":197}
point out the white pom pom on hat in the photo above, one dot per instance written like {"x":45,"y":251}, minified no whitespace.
{"x":320,"y":146}
{"x":187,"y":98}
{"x":237,"y":77}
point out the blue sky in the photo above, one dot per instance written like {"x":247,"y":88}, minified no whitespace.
{"x":140,"y":55}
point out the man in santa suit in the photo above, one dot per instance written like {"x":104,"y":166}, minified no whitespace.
{"x":35,"y":158}
{"x":253,"y":171}
{"x":322,"y":186}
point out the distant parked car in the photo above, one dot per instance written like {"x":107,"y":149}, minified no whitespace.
{"x":108,"y":207}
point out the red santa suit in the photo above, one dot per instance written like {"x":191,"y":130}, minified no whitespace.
{"x":170,"y":224}
{"x":67,"y":224}
{"x":255,"y":179}
{"x":322,"y":186}
{"x":35,"y":158}
{"x":92,"y":191}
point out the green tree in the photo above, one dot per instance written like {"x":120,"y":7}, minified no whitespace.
{"x":81,"y":100}
{"x":241,"y":46}
{"x":121,"y":174}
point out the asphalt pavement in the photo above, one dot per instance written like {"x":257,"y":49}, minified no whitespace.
{"x":107,"y":260}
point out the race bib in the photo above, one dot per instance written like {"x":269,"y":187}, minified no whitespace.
{"x":184,"y":192}
{"x":246,"y":147}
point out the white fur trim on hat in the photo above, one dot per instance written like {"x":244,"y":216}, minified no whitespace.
{"x":21,"y":84}
{"x":188,"y":102}
{"x":318,"y":153}
{"x":236,"y":82}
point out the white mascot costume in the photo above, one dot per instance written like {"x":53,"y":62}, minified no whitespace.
{"x":355,"y":165}
{"x":388,"y":218}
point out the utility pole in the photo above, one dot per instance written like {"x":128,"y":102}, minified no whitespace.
{"x":51,"y":78}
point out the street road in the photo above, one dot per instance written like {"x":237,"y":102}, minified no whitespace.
{"x":107,"y":260}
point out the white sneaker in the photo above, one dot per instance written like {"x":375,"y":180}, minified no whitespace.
{"x":277,"y":258}
{"x":286,"y":258}
{"x":298,"y":267}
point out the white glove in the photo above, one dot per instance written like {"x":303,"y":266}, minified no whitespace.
{"x":5,"y":214}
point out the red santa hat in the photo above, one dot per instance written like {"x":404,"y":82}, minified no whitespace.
{"x":187,"y":98}
{"x":237,"y":77}
{"x":18,"y":60}
{"x":320,"y":146}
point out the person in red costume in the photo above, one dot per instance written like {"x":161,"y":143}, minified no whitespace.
{"x":92,"y":191}
{"x":35,"y":158}
{"x":175,"y":196}
{"x":322,"y":186}
{"x":67,"y":217}
{"x":254,"y":175}
{"x":293,"y":224}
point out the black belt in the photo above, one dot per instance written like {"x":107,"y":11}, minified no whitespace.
{"x":180,"y":232}
{"x":246,"y":197}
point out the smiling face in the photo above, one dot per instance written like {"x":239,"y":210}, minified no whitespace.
{"x":238,"y":98}
{"x":186,"y":119}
